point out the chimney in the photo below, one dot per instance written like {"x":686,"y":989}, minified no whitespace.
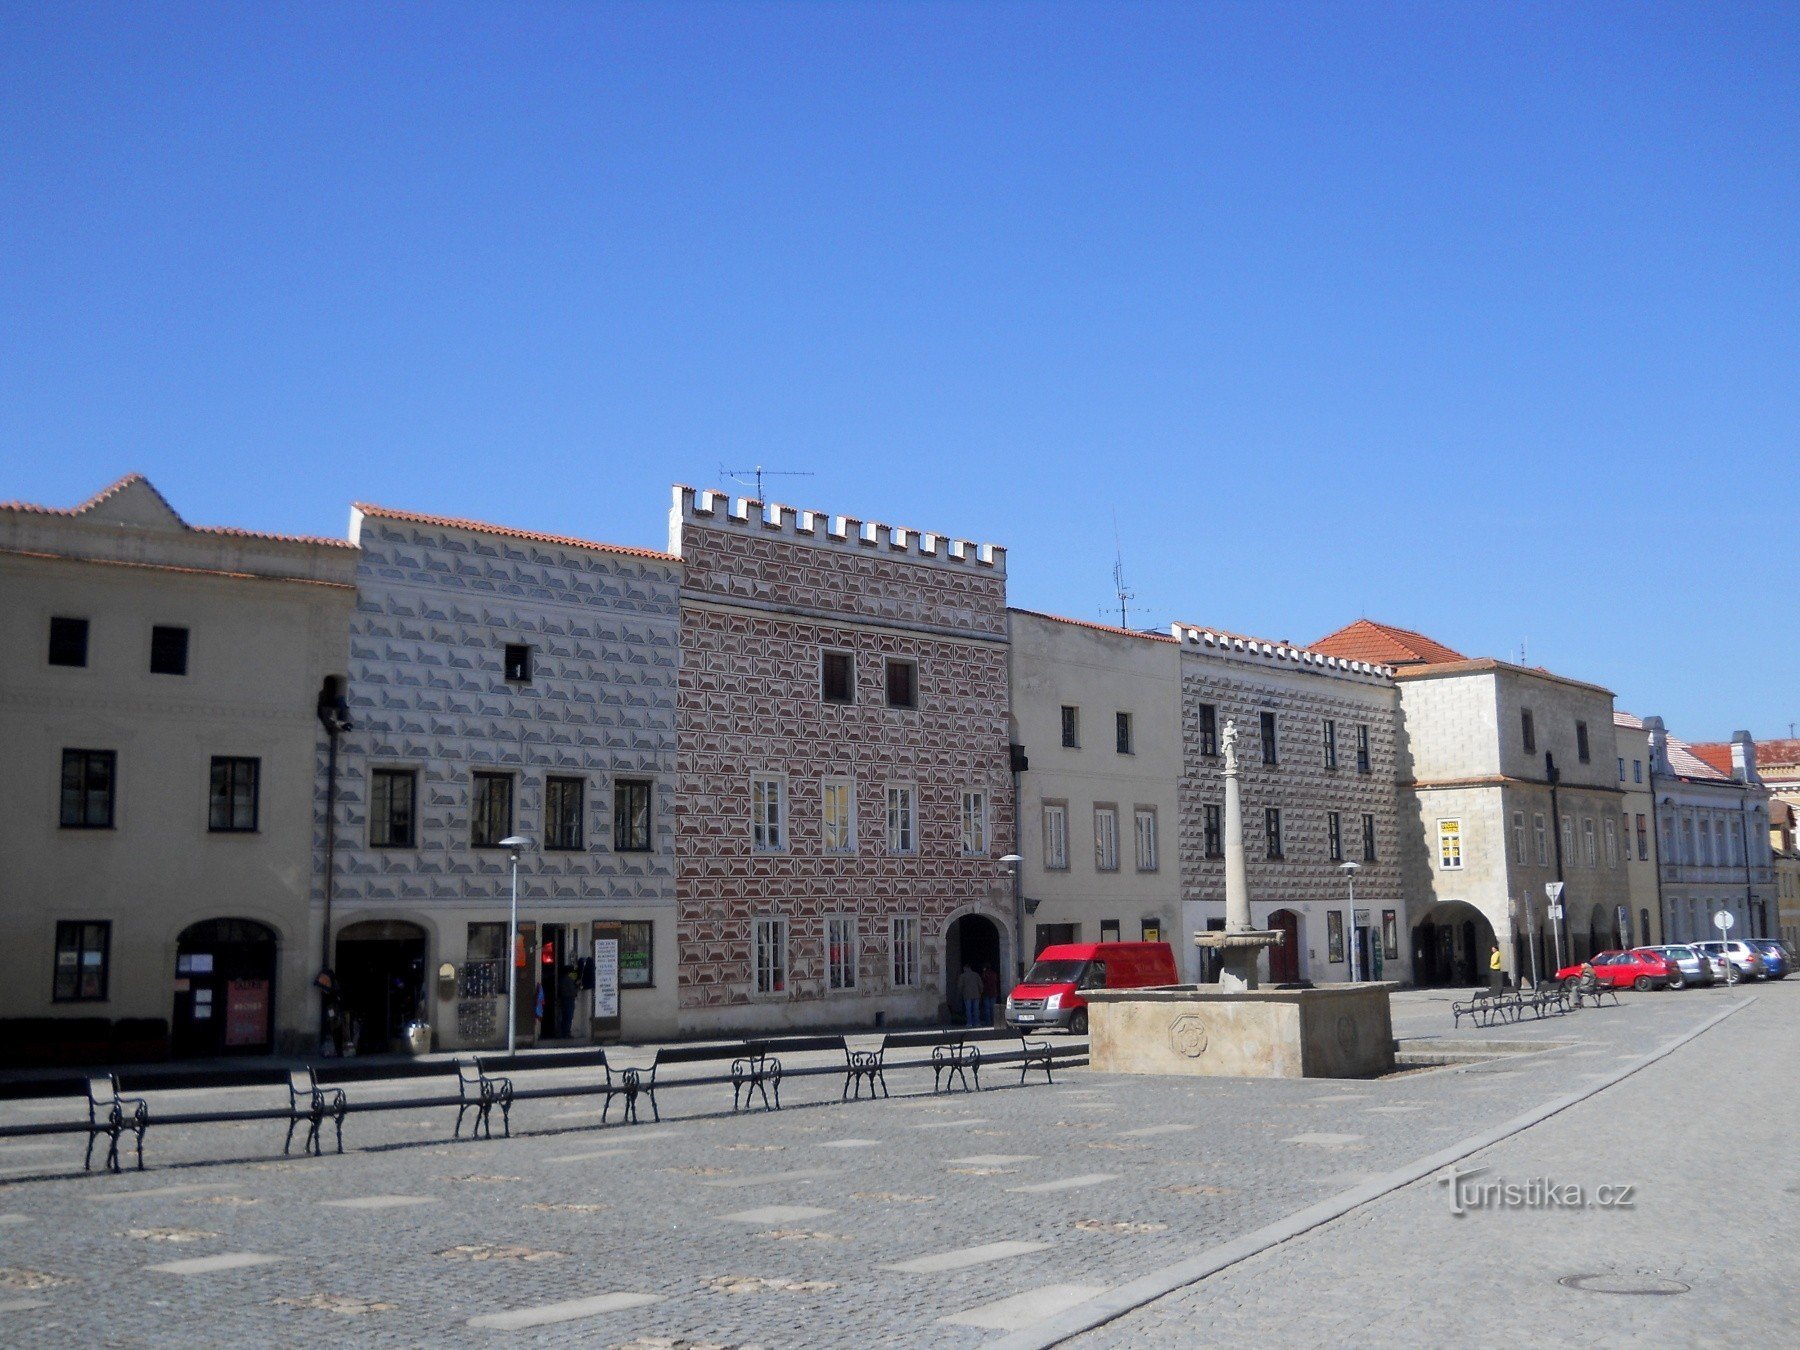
{"x":1743,"y":757}
{"x":1659,"y":745}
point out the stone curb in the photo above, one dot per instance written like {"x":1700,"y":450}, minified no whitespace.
{"x":1148,"y":1288}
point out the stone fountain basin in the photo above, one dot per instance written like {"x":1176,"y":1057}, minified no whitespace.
{"x":1334,"y":1031}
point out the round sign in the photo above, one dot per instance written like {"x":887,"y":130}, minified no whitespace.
{"x":1723,"y":920}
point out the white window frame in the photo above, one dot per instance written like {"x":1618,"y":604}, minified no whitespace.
{"x":770,"y":959}
{"x":1589,"y":852}
{"x":1144,"y":827}
{"x":903,"y":819}
{"x":1519,"y":835}
{"x":1450,"y":844}
{"x":768,"y":830}
{"x":839,"y":836}
{"x":842,"y":953}
{"x":1540,"y":834}
{"x":975,"y":823}
{"x":1612,"y":842}
{"x":1106,"y":838}
{"x":903,"y":948}
{"x":1568,"y":841}
{"x":1056,"y":836}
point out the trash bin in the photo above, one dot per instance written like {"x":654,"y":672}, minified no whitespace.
{"x":418,"y":1038}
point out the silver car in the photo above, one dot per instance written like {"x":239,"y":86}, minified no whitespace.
{"x":1746,"y":961}
{"x":1691,"y":967}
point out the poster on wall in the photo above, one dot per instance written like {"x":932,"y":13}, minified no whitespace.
{"x":1390,"y":934}
{"x":246,"y":1012}
{"x":606,"y":979}
{"x":1334,"y":935}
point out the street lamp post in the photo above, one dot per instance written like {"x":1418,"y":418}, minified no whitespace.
{"x":1350,"y":869}
{"x":1011,"y":862}
{"x":515,"y":844}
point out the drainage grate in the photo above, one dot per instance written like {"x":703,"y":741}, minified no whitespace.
{"x":1616,"y":1283}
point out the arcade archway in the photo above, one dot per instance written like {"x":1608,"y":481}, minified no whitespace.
{"x":224,"y":989}
{"x":1451,"y":943}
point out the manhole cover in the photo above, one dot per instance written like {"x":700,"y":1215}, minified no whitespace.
{"x":1622,"y":1284}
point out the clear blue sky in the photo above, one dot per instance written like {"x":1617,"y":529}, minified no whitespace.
{"x":1476,"y":318}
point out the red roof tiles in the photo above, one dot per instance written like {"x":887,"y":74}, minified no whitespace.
{"x":1383,"y":644}
{"x":481,"y":527}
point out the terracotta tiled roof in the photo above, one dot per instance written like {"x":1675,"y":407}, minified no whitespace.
{"x":1772,"y":753}
{"x":481,"y":527}
{"x":1366,"y":640}
{"x":1714,"y":754}
{"x":1684,"y":760}
{"x":131,"y":479}
{"x":1097,"y":627}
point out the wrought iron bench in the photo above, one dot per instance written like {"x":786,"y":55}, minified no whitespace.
{"x":481,"y":1092}
{"x":111,"y":1115}
{"x":1035,"y":1055}
{"x":309,"y":1102}
{"x":755,"y":1071}
{"x":952,"y":1061}
{"x":1582,"y":988}
{"x":864,"y":1065}
{"x":1479,"y":1008}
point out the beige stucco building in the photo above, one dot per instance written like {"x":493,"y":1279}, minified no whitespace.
{"x":1637,"y":827}
{"x":158,"y":707}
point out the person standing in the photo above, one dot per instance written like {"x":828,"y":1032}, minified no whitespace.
{"x":990,"y":993}
{"x":969,"y":987}
{"x":1496,"y":973}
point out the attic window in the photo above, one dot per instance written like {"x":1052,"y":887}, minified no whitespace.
{"x":518,"y":663}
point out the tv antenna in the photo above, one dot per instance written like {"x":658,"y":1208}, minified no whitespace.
{"x":1124,"y":596}
{"x":754,"y":477}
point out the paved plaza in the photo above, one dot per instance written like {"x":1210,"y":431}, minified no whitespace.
{"x":1012,"y":1214}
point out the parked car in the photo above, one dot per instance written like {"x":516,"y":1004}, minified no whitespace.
{"x":1775,"y":957}
{"x":1745,"y":961}
{"x":1691,"y":966}
{"x":1639,"y":969}
{"x":1050,"y":995}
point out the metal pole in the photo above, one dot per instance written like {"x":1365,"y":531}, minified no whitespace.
{"x":1351,"y":929}
{"x":512,"y":973}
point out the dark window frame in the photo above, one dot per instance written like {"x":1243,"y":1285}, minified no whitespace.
{"x":1207,"y":714}
{"x":1122,"y":737}
{"x":386,"y":837}
{"x":563,"y":834}
{"x":68,"y":639}
{"x":1363,"y":764}
{"x":168,"y":649}
{"x":1329,"y":735}
{"x":1368,"y":828}
{"x":1334,"y":835}
{"x":1212,"y":840}
{"x":893,"y":665}
{"x":1270,"y":731}
{"x":1276,"y":849}
{"x":77,"y":929}
{"x":484,"y":831}
{"x":1071,"y":726}
{"x":1583,"y":750}
{"x":624,"y":828}
{"x":85,"y":799}
{"x":1528,"y":731}
{"x":518,"y":662}
{"x":233,"y":766}
{"x":828,"y":663}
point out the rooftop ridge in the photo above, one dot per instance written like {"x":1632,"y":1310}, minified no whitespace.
{"x":752,"y":516}
{"x":224,"y":531}
{"x":1191,"y":636}
{"x":505,"y":531}
{"x":1086,"y":623}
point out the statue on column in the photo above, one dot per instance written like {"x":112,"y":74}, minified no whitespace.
{"x":1228,"y":744}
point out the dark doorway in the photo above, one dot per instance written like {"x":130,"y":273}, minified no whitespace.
{"x":1053,"y":935}
{"x":1284,"y":956}
{"x":224,"y":989}
{"x":1425,"y":956}
{"x":1450,"y":946}
{"x":555,"y":955}
{"x":381,"y":970}
{"x":1365,"y":955}
{"x":973,"y":942}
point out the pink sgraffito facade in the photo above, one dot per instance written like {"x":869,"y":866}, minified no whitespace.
{"x":869,"y":924}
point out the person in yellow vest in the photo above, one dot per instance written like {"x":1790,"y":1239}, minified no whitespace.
{"x":1496,"y":973}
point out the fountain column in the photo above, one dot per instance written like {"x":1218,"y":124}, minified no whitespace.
{"x":1241,"y":945}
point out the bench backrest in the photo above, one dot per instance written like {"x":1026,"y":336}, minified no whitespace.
{"x":468,"y":1072}
{"x":301,"y":1083}
{"x":698,"y":1054}
{"x":103,"y":1089}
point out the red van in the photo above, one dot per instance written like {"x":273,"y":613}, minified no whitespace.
{"x":1050,"y":994}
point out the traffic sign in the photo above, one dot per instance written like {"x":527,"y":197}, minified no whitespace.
{"x":1554,"y":890}
{"x":1555,"y":911}
{"x":1723,"y":920}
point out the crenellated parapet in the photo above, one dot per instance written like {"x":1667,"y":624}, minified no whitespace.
{"x":1212,"y":641}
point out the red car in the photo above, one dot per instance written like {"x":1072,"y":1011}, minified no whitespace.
{"x":1638,"y":969}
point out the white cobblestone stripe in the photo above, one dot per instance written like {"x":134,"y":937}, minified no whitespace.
{"x":569,"y":1310}
{"x":209,"y":1265}
{"x":962,"y":1257}
{"x":381,"y":1201}
{"x":777,"y":1214}
{"x":774,"y":1178}
{"x":1065,"y":1184}
{"x":1026,"y":1309}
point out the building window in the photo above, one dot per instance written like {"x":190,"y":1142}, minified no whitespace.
{"x":1334,"y":836}
{"x":768,"y":818}
{"x":631,"y":816}
{"x":491,"y":820}
{"x":1519,"y":836}
{"x":1362,"y":747}
{"x":1330,"y":743}
{"x":1368,"y":837}
{"x":1269,"y":750}
{"x":1109,"y":930}
{"x":1150,"y":930}
{"x":89,"y":778}
{"x":1106,"y":839}
{"x":837,"y":816}
{"x":391,"y":794}
{"x":168,"y":650}
{"x":1213,"y":833}
{"x":770,"y":955}
{"x":1612,"y":843}
{"x":1145,"y":819}
{"x":231,"y":800}
{"x":903,"y":938}
{"x":518,"y":663}
{"x":1209,"y":728}
{"x":1588,"y":852}
{"x":68,"y":642}
{"x":837,"y":677}
{"x":1122,"y":732}
{"x":563,"y":799}
{"x":1637,"y":770}
{"x":902,"y":819}
{"x":484,"y":962}
{"x":637,"y":954}
{"x":974,"y":824}
{"x":1643,"y":838}
{"x":1543,"y":843}
{"x":1568,"y":841}
{"x":1272,"y":830}
{"x":840,"y":952}
{"x":902,"y":684}
{"x":1056,"y":837}
{"x":1450,"y":857}
{"x":1621,"y":768}
{"x":82,"y":959}
{"x":1581,"y":742}
{"x":1528,"y":731}
{"x":1071,"y":727}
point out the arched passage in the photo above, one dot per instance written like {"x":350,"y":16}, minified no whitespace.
{"x":381,"y":973}
{"x":1451,"y":942}
{"x":1603,"y":932}
{"x":224,"y":989}
{"x":972,"y":943}
{"x":1284,"y":957}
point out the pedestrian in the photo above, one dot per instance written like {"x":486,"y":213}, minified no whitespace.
{"x":566,"y":991}
{"x":969,"y":987}
{"x":990,"y":993}
{"x":1496,"y":974}
{"x":540,"y":1009}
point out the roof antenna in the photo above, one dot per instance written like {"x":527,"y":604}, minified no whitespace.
{"x":1521,"y":651}
{"x":759,"y":473}
{"x":1125,"y":596}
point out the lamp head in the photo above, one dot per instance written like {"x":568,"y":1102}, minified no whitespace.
{"x":1010,"y":860}
{"x":515,"y":844}
{"x":1350,"y":869}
